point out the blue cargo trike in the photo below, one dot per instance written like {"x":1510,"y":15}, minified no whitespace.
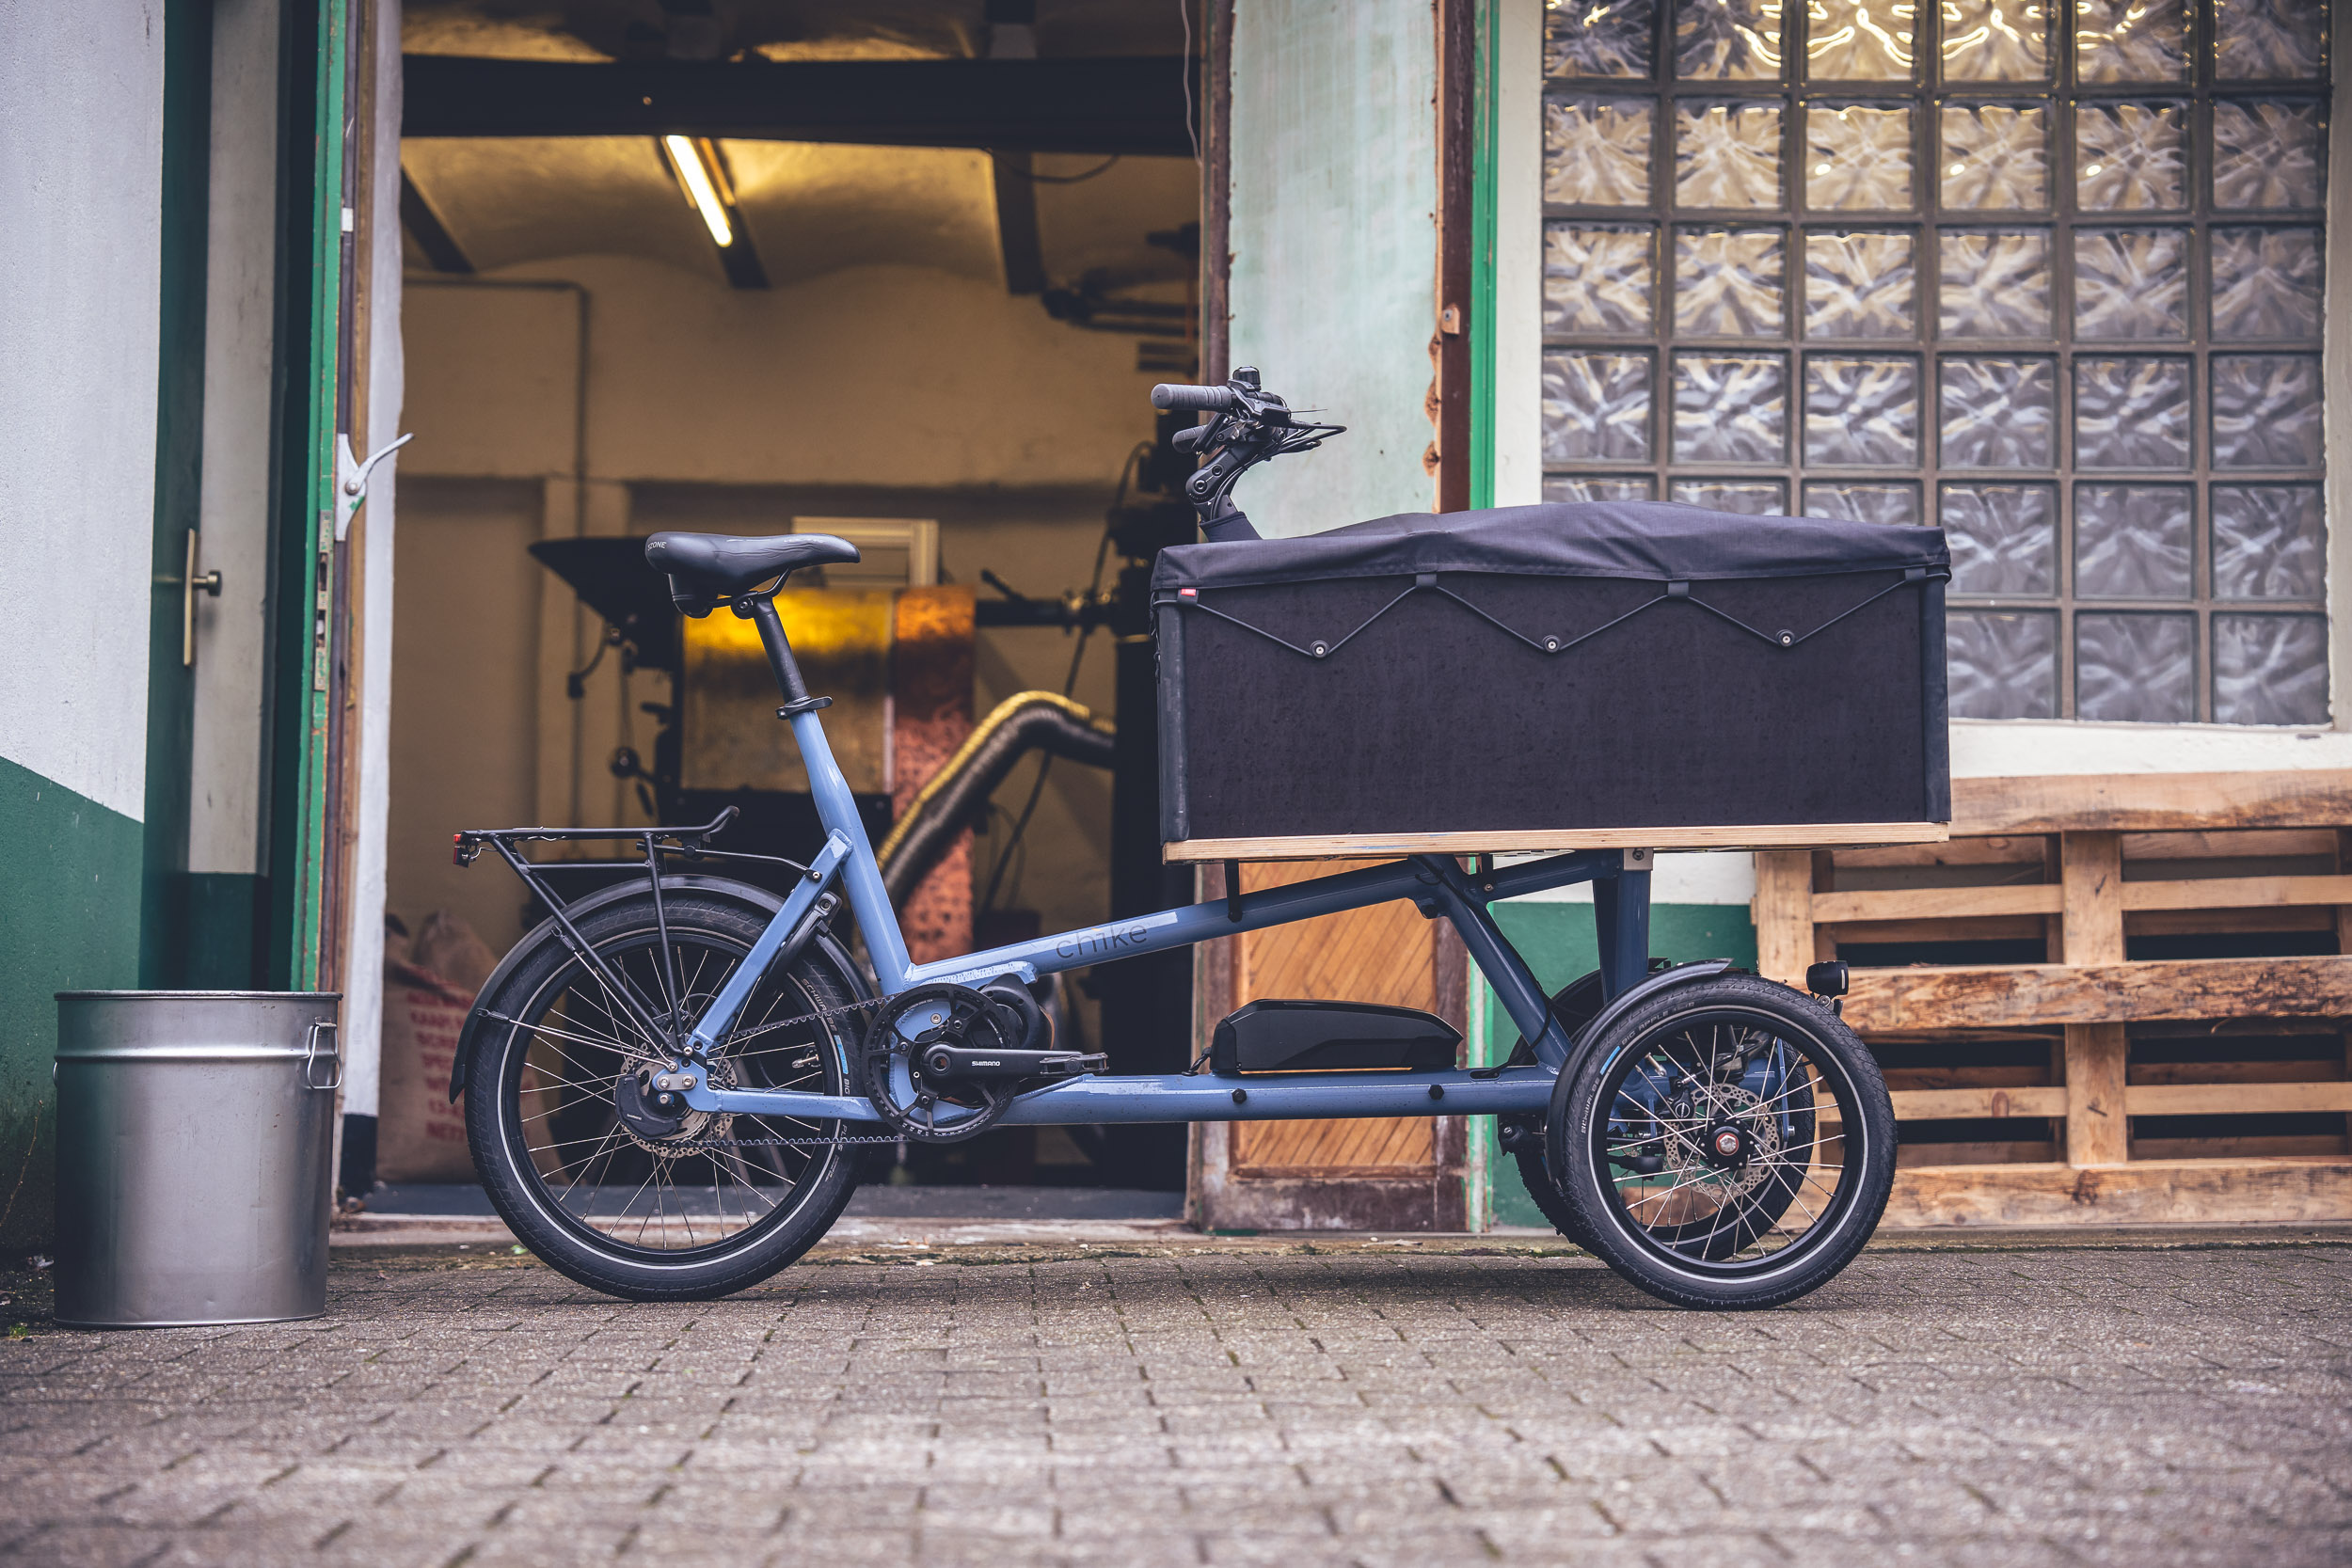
{"x":666,"y":1083}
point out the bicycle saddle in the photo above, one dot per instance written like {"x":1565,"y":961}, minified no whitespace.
{"x":706,"y":569}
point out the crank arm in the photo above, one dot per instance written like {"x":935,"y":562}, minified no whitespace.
{"x":950,"y":1062}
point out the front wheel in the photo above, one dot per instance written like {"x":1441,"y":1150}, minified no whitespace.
{"x":1575,"y":1005}
{"x":598,"y":1182}
{"x":1727,"y":1144}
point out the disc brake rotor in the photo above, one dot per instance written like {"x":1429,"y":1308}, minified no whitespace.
{"x":1715,"y":1110}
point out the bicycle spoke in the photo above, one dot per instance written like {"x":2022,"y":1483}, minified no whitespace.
{"x":548,"y":1032}
{"x":641,"y":1186}
{"x":611,"y":1134}
{"x":576,"y":1044}
{"x":1727,"y":1069}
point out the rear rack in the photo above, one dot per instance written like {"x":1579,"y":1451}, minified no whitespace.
{"x":654,"y":846}
{"x":691,"y":843}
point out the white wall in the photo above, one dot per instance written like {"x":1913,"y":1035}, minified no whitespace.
{"x":884,"y":374}
{"x":464,"y":698}
{"x":1334,"y":204}
{"x":1517,"y":455}
{"x":81,"y":190}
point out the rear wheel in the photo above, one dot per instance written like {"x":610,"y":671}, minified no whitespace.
{"x":1727,"y":1142}
{"x":606,"y":1189}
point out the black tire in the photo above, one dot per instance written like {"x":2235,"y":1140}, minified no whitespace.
{"x":1575,"y":1005}
{"x":1747,"y":1226}
{"x":534,"y":1159}
{"x":1547,"y":1193}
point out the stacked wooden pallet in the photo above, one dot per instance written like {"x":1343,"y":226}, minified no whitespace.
{"x":2111,"y":998}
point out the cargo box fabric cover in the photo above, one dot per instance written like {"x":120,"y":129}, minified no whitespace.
{"x":1553,"y":668}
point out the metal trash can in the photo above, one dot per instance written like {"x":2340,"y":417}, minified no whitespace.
{"x":195,"y":1131}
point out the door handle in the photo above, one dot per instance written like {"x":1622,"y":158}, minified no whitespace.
{"x":190,"y":586}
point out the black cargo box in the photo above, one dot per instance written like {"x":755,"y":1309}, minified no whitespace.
{"x":1554,"y":669}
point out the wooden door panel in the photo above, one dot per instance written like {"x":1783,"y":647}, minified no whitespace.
{"x":1385,"y":954}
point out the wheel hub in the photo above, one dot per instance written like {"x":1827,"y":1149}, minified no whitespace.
{"x":1734,"y":1134}
{"x":656,"y":1116}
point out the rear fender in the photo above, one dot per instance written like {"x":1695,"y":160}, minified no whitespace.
{"x":757,"y":901}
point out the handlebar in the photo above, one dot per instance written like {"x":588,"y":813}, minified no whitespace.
{"x":1215,"y":400}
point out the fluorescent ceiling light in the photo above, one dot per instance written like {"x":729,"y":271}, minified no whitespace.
{"x":702,"y":193}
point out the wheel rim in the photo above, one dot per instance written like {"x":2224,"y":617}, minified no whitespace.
{"x":670,"y":1200}
{"x":1729,"y":1143}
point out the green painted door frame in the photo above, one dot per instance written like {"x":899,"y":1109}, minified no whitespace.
{"x":1484,"y":75}
{"x":313,"y":329}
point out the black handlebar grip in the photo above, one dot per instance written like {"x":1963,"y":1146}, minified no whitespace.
{"x":1214,"y":399}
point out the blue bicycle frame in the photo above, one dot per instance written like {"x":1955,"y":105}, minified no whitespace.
{"x":1436,"y":884}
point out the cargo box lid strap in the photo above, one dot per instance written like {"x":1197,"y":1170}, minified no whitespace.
{"x":1656,"y":541}
{"x":1556,"y":641}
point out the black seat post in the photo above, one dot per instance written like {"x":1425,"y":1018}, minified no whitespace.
{"x":780,"y":660}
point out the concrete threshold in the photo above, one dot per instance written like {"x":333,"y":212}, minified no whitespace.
{"x":869,"y":1238}
{"x":850,"y":1231}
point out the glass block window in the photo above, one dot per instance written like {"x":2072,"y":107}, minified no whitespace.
{"x":2046,"y":275}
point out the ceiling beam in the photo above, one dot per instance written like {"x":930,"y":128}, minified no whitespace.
{"x":1122,"y":105}
{"x":424,"y":222}
{"x":1017,"y":238}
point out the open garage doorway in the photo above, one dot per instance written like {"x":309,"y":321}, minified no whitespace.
{"x":900,"y":272}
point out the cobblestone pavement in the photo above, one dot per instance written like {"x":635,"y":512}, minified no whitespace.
{"x":1197,"y":1403}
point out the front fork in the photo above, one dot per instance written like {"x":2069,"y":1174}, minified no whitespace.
{"x":1621,"y":917}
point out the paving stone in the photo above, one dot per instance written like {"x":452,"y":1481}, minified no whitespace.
{"x":2140,"y":1405}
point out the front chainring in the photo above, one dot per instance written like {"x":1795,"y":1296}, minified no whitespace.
{"x":921,"y":1110}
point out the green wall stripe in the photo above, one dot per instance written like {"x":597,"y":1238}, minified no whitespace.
{"x":68,"y":921}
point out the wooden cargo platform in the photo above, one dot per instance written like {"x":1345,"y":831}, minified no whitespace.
{"x":1558,"y":841}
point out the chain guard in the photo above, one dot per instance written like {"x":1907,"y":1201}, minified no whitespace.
{"x":960,"y":1016}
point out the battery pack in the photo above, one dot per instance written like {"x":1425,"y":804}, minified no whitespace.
{"x":1272,"y":1035}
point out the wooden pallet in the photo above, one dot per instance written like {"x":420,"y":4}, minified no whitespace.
{"x":2106,"y":1089}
